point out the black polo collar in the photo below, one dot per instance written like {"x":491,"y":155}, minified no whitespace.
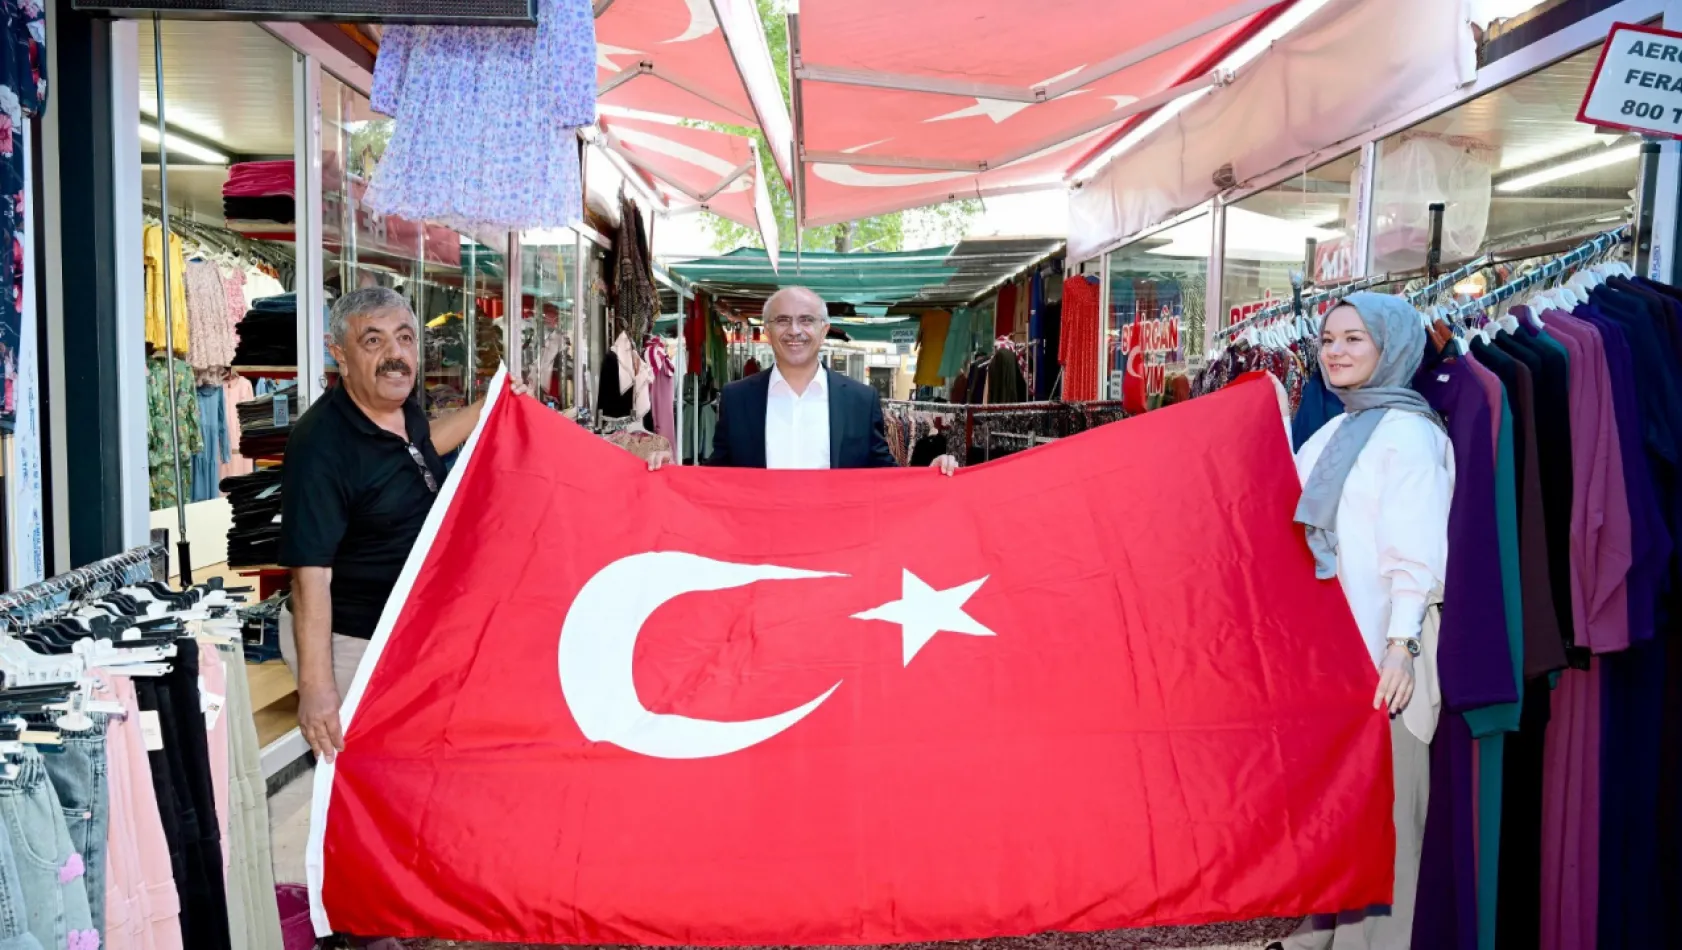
{"x":414,"y":418}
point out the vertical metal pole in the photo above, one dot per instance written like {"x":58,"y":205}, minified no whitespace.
{"x":682,"y":366}
{"x":310,"y":279}
{"x":1104,"y":315}
{"x":183,"y":549}
{"x":1434,"y":250}
{"x":418,"y":279}
{"x":580,"y":352}
{"x":1645,"y":200}
{"x":695,"y":412}
{"x":1214,"y":293}
{"x":1365,"y":183}
{"x":470,"y":316}
{"x":511,"y":305}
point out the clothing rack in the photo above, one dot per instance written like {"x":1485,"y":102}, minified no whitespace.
{"x":1586,"y":253}
{"x":912,"y":405}
{"x":221,"y":239}
{"x":1424,"y":294}
{"x":1030,"y":408}
{"x":78,"y":583}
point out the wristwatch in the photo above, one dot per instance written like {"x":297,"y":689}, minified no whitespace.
{"x":1411,"y":644}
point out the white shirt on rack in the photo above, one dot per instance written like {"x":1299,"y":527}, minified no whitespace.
{"x":797,"y":424}
{"x":1392,"y":533}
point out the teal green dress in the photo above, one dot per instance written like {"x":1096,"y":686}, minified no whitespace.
{"x":1491,"y":723}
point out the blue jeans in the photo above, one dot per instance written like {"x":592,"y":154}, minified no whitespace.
{"x":14,"y":919}
{"x":79,"y":776}
{"x":50,"y":871}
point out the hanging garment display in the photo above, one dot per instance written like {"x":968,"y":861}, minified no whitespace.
{"x":118,"y":764}
{"x":1551,"y":811}
{"x":1078,"y":344}
{"x":163,"y":430}
{"x":754,"y":860}
{"x":159,"y":335}
{"x":528,"y":90}
{"x":636,"y":300}
{"x":663,"y":391}
{"x":23,"y":91}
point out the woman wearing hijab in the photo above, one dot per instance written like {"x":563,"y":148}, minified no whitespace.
{"x":1377,"y":482}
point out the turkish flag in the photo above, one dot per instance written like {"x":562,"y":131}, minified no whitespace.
{"x":1090,"y":686}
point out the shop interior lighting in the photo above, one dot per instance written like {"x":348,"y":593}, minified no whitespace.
{"x":1568,"y":169}
{"x":1237,"y":59}
{"x":1473,"y":286}
{"x":1556,"y":147}
{"x":1249,"y":236}
{"x":149,"y":135}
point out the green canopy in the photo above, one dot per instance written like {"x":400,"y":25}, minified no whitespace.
{"x":939,"y":277}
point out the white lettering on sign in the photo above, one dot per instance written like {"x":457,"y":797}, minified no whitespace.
{"x":1638,"y":82}
{"x":1245,"y":311}
{"x":1334,"y":261}
{"x":1153,"y":346}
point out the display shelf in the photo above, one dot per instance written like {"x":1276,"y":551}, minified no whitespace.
{"x":276,"y":372}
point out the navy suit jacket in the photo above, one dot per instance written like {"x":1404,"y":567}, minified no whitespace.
{"x":856,"y":436}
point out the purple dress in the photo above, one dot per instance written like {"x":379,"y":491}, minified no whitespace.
{"x":1474,"y":658}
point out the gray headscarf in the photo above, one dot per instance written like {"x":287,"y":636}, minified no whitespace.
{"x":1399,"y":333}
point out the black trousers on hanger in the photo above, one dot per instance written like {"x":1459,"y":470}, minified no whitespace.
{"x":187,"y":800}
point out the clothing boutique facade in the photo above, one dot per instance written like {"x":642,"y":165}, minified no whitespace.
{"x":268,"y":141}
{"x":1504,"y":153}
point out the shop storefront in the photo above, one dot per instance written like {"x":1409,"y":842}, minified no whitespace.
{"x":161,"y":376}
{"x":1505,"y":156}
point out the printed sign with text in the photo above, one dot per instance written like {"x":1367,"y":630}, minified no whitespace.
{"x":1637,"y":84}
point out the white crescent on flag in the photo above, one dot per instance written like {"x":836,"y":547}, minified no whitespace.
{"x":599,"y":639}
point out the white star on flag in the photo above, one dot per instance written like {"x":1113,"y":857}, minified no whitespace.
{"x":1001,"y":109}
{"x":923,"y":612}
{"x":603,"y":51}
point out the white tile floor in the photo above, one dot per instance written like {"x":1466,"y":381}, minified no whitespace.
{"x":289,"y":828}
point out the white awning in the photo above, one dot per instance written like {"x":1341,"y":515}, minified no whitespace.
{"x":1351,"y":66}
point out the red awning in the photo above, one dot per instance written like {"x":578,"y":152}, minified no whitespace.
{"x":900,"y":105}
{"x":692,"y":59}
{"x":698,"y":169}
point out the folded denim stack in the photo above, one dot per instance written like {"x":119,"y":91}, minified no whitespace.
{"x":260,"y":629}
{"x":268,"y":336}
{"x":254,"y":535}
{"x":259,"y":436}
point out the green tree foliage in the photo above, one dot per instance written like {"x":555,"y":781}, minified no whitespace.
{"x":946,"y":222}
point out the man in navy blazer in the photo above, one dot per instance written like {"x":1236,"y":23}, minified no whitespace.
{"x":797,"y":414}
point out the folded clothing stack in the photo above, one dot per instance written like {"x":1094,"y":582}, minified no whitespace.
{"x":260,"y":191}
{"x":254,"y":536}
{"x":260,"y":625}
{"x":268,"y":336}
{"x":259,"y":435}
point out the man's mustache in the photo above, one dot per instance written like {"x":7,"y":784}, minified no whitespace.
{"x":394,"y":366}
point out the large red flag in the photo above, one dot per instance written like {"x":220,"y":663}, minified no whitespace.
{"x":1086,"y":687}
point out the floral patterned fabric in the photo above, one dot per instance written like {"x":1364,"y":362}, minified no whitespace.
{"x":23,"y":93}
{"x":159,"y":440}
{"x":486,"y":120}
{"x":210,"y":334}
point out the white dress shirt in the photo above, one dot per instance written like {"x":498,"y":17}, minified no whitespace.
{"x":797,"y":426}
{"x":1392,"y":533}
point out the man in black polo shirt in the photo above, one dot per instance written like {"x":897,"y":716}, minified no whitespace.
{"x":362,"y":469}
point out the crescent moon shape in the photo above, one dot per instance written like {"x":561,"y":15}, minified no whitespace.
{"x":678,"y":150}
{"x":859,"y":178}
{"x":599,"y":638}
{"x":702,"y":20}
